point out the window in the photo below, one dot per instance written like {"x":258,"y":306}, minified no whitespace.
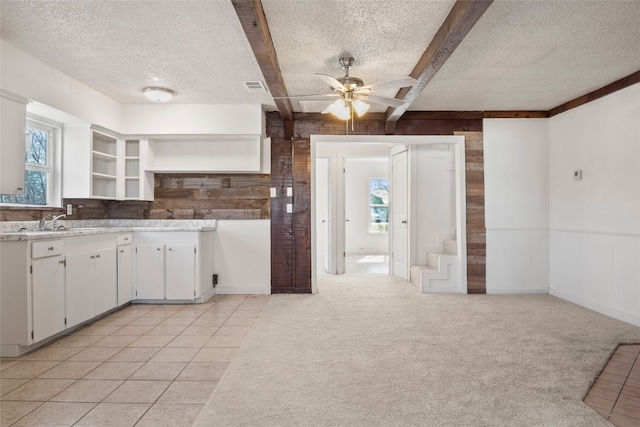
{"x":39,"y":161}
{"x":379,"y":205}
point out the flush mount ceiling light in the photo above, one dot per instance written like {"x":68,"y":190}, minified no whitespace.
{"x":158,"y":94}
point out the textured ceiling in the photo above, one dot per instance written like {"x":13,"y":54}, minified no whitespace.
{"x":521,"y":55}
{"x":196,"y":48}
{"x":537,"y":55}
{"x":386,"y":38}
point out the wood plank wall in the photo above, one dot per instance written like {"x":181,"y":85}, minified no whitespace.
{"x":177,"y":196}
{"x":476,"y":231}
{"x":291,"y":250}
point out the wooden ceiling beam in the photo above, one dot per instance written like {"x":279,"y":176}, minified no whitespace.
{"x":463,"y":16}
{"x":254,"y":23}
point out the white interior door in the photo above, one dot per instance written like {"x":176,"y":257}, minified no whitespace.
{"x":400,"y":214}
{"x":322,"y":212}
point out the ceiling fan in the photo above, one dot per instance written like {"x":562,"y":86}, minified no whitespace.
{"x":354,"y":95}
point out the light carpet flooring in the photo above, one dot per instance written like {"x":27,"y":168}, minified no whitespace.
{"x":369,"y":350}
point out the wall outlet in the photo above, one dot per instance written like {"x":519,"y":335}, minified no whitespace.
{"x":214,"y":280}
{"x":577,"y":175}
{"x":273,"y":191}
{"x":289,"y":207}
{"x":69,"y":209}
{"x":289,"y":191}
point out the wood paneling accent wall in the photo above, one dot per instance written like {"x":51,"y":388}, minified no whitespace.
{"x":290,"y":166}
{"x":177,"y":196}
{"x":209,"y":196}
{"x":476,"y":231}
{"x":291,"y":231}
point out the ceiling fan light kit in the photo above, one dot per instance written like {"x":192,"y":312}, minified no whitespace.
{"x":355,"y":96}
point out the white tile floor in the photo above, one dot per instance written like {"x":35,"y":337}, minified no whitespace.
{"x":144,"y":365}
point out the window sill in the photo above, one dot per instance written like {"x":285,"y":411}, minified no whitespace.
{"x":15,"y":206}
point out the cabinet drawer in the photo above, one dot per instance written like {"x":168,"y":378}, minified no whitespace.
{"x":124,"y":239}
{"x":47,"y":248}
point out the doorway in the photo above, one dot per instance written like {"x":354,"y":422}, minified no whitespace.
{"x":339,"y":151}
{"x":366,"y":191}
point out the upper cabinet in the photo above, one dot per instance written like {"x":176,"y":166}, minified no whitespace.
{"x":206,"y":154}
{"x":101,"y":165}
{"x":13,"y":116}
{"x":104,"y":165}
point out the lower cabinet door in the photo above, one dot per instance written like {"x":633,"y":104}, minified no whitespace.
{"x":79,"y":289}
{"x":150,"y":272}
{"x":47,"y":288}
{"x":105,"y":280}
{"x":125,"y":275}
{"x":180,"y":270}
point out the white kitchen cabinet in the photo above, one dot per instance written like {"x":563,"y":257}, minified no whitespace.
{"x":180,"y":269}
{"x":102,"y":165}
{"x":47,"y":287}
{"x":125,"y":269}
{"x":13,"y":117}
{"x":91,"y":282}
{"x":105,"y":280}
{"x":32,"y":299}
{"x":149,"y":272}
{"x":205,"y":153}
{"x":79,"y":289}
{"x":173,"y":265}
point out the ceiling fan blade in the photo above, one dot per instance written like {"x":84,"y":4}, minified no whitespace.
{"x":331,"y":81}
{"x":317,"y":95}
{"x":391,"y":102}
{"x":390,"y":84}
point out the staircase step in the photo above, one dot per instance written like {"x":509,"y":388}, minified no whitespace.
{"x":433,"y":259}
{"x":450,"y":247}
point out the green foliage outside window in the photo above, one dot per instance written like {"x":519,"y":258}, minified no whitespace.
{"x":379,"y":205}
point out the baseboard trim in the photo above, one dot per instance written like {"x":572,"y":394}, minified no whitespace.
{"x":250,"y":290}
{"x":517,"y":291}
{"x":607,"y":311}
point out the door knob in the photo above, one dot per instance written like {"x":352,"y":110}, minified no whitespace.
{"x":404,"y":222}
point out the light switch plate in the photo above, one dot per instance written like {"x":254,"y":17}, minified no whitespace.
{"x":289,"y":191}
{"x":273,"y":191}
{"x":577,"y":175}
{"x":289,"y":207}
{"x":69,"y":209}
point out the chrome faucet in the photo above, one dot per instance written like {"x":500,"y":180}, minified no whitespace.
{"x":55,"y":219}
{"x":42,"y":225}
{"x":43,"y":222}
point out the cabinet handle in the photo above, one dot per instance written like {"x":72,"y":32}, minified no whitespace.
{"x":50,"y":248}
{"x":121,"y":251}
{"x":61,"y":262}
{"x":157,"y":249}
{"x":170,"y":249}
{"x":97,"y":256}
{"x":18,"y":188}
{"x":92,"y":257}
{"x":126,"y":238}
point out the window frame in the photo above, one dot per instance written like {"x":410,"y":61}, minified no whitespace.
{"x":372,"y":205}
{"x":53,"y":166}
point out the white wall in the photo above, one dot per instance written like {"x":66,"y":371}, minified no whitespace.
{"x":516,"y":159}
{"x":433,"y":201}
{"x":242,"y":256}
{"x":595,"y":223}
{"x":358,"y":172}
{"x":188,"y":119}
{"x":30,"y":78}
